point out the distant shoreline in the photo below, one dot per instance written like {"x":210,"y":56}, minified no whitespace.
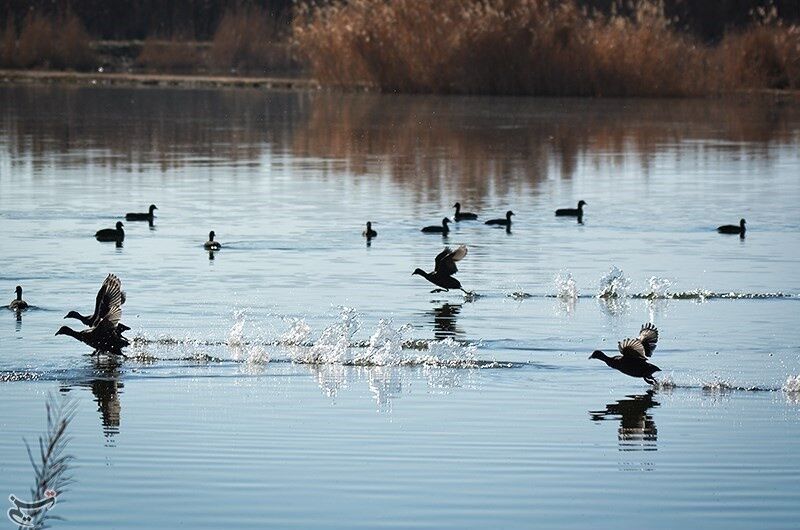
{"x":52,"y":77}
{"x":155,"y":80}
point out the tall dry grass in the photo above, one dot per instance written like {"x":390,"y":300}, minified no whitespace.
{"x":766,"y":55}
{"x":249,"y":40}
{"x":47,"y":42}
{"x":536,"y":47}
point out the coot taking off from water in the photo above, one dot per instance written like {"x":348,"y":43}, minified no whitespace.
{"x":571,"y":212}
{"x":110,"y":293}
{"x":105,"y":335}
{"x":733,"y":229}
{"x":501,"y":222}
{"x":141,"y":216}
{"x":369,"y":233}
{"x":18,"y":304}
{"x":111,"y":234}
{"x":463,"y":216}
{"x":635,"y":352}
{"x":438,"y":229}
{"x":211,"y":244}
{"x":444,"y":269}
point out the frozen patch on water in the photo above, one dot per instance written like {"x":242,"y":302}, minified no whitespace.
{"x":614,"y":284}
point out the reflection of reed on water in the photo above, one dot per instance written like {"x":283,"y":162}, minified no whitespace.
{"x":431,"y":145}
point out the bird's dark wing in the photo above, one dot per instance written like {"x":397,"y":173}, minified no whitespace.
{"x":109,"y":298}
{"x":101,"y":294}
{"x":446,"y":260}
{"x":441,"y":257}
{"x":632,"y":348}
{"x":111,"y":319}
{"x":648,"y":336}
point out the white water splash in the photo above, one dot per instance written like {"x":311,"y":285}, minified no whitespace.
{"x":666,"y":382}
{"x":566,"y":288}
{"x":614,"y":284}
{"x":299,"y":333}
{"x":385,"y":345}
{"x":257,"y":355}
{"x":235,"y":335}
{"x":333,"y":345}
{"x":792,"y":385}
{"x":657,"y":288}
{"x":717,"y":385}
{"x":235,"y":340}
{"x":450,"y":352}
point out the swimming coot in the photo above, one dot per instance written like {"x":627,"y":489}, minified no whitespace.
{"x":501,"y":222}
{"x":211,"y":244}
{"x":463,"y":216}
{"x":571,"y":212}
{"x":369,"y":233}
{"x":141,"y":216}
{"x":111,"y":234}
{"x":18,"y":304}
{"x":733,"y":229}
{"x":635,"y":353}
{"x":444,"y":229}
{"x":444,"y":269}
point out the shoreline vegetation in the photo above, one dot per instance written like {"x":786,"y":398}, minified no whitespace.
{"x":487,"y":47}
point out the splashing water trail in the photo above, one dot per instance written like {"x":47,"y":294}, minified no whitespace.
{"x":299,"y":333}
{"x":235,"y":340}
{"x":333,"y":345}
{"x":614,"y":284}
{"x":257,"y":355}
{"x":385,"y":345}
{"x":792,"y":385}
{"x":449,"y":351}
{"x":657,"y":288}
{"x":717,"y":385}
{"x":235,"y":334}
{"x":566,"y":288}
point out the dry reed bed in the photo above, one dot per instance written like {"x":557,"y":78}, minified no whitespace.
{"x":536,"y":47}
{"x":47,"y":42}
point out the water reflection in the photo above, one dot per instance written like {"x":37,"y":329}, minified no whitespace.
{"x":106,"y":387}
{"x":386,"y":383}
{"x":444,"y":321}
{"x":637,"y":430}
{"x":435,"y":146}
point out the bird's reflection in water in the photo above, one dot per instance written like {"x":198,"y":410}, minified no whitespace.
{"x":18,"y":323}
{"x":637,"y":430}
{"x":106,"y":388}
{"x":211,"y":255}
{"x":444,"y":321}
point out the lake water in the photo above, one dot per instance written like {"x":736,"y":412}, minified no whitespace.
{"x":304,"y":379}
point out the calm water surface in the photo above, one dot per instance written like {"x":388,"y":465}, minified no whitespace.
{"x":304,"y":379}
